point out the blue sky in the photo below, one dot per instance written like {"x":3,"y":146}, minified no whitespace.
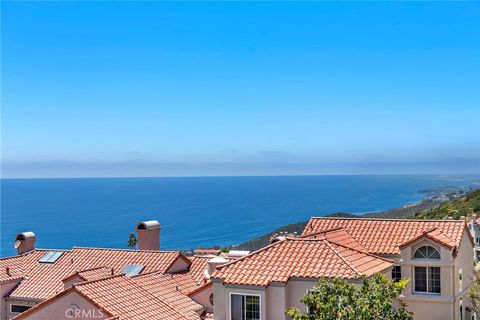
{"x":178,"y":88}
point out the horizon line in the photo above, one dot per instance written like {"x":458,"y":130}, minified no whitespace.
{"x":439,"y":175}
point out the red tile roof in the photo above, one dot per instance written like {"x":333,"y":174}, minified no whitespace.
{"x":19,"y":266}
{"x":337,"y":235}
{"x":43,"y":280}
{"x":198,"y":267}
{"x":215,"y":252}
{"x":301,"y":258}
{"x":172,"y":290}
{"x":91,"y":274}
{"x":384,"y":236}
{"x":121,"y":297}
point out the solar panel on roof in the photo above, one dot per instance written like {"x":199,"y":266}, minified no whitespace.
{"x":132,"y":270}
{"x":50,"y":257}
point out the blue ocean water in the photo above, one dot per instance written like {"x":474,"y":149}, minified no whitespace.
{"x":193,"y":212}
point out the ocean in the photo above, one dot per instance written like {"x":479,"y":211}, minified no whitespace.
{"x":193,"y":212}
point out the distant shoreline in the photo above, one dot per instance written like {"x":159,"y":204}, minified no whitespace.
{"x":404,"y":212}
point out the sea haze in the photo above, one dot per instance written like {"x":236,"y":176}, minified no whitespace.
{"x":194,"y":212}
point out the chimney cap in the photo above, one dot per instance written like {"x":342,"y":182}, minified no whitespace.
{"x":217,"y":260}
{"x":148,"y":225}
{"x":29,"y":235}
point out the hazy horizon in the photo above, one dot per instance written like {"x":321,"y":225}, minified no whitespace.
{"x":131,"y":89}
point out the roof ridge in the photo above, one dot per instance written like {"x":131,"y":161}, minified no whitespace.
{"x":97,"y":280}
{"x":93,"y":268}
{"x":364,"y":252}
{"x":147,"y":273}
{"x":253,"y":253}
{"x":127,"y":250}
{"x":321,"y":231}
{"x":342,"y":258}
{"x":77,"y":273}
{"x":388,"y":219}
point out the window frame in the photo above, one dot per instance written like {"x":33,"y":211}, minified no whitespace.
{"x":19,"y":305}
{"x":244,"y":295}
{"x":427,"y":278}
{"x":426,"y":258}
{"x":397,"y":266}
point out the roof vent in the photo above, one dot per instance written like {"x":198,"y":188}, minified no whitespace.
{"x":25,"y":242}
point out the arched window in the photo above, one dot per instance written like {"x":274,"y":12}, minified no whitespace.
{"x":427,"y":252}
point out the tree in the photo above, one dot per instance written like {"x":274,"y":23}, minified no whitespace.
{"x":474,"y":294}
{"x":132,"y":241}
{"x":337,"y":299}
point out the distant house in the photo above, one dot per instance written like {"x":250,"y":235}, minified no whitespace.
{"x":475,"y":231}
{"x":435,"y":255}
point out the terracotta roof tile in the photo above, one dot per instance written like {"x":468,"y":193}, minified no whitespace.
{"x":337,"y":235}
{"x":121,"y":296}
{"x":44,"y":280}
{"x":433,"y":234}
{"x":198,"y":267}
{"x":384,"y":236}
{"x":19,"y":266}
{"x":146,"y":297}
{"x":171,"y":290}
{"x":302,"y":258}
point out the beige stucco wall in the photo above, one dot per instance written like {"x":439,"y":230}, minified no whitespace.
{"x":22,"y":302}
{"x":178,"y":266}
{"x":219,"y":301}
{"x":203,"y":297}
{"x":57,"y":310}
{"x":296,"y":289}
{"x":5,"y":288}
{"x":275,"y":299}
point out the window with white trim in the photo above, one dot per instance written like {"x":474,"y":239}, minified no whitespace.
{"x":427,"y":252}
{"x":244,"y":307}
{"x":427,"y":280}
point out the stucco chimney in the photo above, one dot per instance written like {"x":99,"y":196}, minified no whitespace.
{"x":148,"y":235}
{"x":25,"y":242}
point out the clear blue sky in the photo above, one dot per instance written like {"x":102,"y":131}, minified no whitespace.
{"x":165,"y":88}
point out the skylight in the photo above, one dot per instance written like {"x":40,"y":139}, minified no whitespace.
{"x":132,"y":270}
{"x":50,"y":257}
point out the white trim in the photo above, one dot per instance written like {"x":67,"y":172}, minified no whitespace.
{"x":20,"y":305}
{"x":243,"y":294}
{"x":426,"y":277}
